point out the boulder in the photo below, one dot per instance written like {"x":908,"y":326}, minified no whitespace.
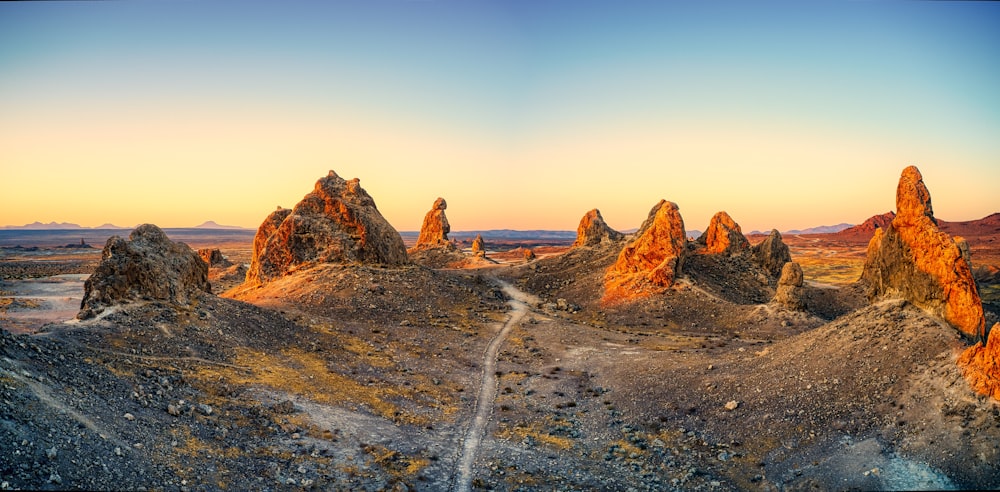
{"x":723,"y":236}
{"x":913,"y":259}
{"x":529,"y":254}
{"x":479,"y":246}
{"x":980,"y":365}
{"x":435,"y":229}
{"x":146,"y":266}
{"x":213,"y":257}
{"x":790,"y":291}
{"x":771,"y":254}
{"x":593,"y":231}
{"x":649,"y":262}
{"x":337,"y":222}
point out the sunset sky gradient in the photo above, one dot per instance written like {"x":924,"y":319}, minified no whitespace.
{"x":522,"y":114}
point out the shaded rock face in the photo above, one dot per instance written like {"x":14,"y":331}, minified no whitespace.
{"x":771,"y":254}
{"x":479,"y":246}
{"x":980,"y":365}
{"x":337,"y":222}
{"x":723,"y":236}
{"x":915,"y":260}
{"x":146,"y":266}
{"x":213,"y":257}
{"x":790,"y":293}
{"x":650,"y":262}
{"x":593,"y":231}
{"x":435,"y":229}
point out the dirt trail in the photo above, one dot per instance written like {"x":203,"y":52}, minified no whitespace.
{"x":488,"y":388}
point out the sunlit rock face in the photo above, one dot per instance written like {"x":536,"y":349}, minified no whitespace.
{"x":213,"y":257}
{"x":980,"y":365}
{"x":790,"y":291}
{"x":337,"y":222}
{"x":913,"y":259}
{"x":147,"y":266}
{"x":434,"y":231}
{"x":593,"y":231}
{"x":772,"y":254}
{"x":479,"y":246}
{"x":723,"y":236}
{"x":650,"y":262}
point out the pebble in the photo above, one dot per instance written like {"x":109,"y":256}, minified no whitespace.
{"x":51,"y":453}
{"x":129,"y":417}
{"x":205,"y":409}
{"x":731,"y":405}
{"x":173,"y":410}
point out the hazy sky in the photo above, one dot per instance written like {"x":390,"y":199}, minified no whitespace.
{"x":522,"y":114}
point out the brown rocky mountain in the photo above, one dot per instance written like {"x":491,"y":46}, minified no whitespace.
{"x":723,"y":236}
{"x":914,"y":259}
{"x":652,"y":259}
{"x":867,"y":228}
{"x":146,"y":266}
{"x":593,"y":231}
{"x":771,"y":254}
{"x":337,"y":222}
{"x":435,"y":229}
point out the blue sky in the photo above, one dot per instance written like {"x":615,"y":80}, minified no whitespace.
{"x":523,"y":114}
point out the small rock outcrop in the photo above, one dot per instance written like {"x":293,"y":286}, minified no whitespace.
{"x":914,"y":259}
{"x":435,"y":229}
{"x":723,"y":236}
{"x":593,"y":231}
{"x":980,"y":365}
{"x":771,"y":254}
{"x":790,"y":291}
{"x":529,"y":254}
{"x":146,"y":266}
{"x":214,"y":258}
{"x":337,"y":222}
{"x":650,"y":262}
{"x":479,"y":246}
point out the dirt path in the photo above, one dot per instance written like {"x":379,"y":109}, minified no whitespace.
{"x":488,"y":388}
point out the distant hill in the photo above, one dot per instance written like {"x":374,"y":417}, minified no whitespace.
{"x":50,"y":226}
{"x":213,"y":225}
{"x":986,"y":226}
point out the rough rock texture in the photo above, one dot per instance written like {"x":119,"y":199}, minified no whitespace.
{"x":213,"y":257}
{"x":915,"y":260}
{"x":435,"y":229}
{"x":529,"y":254}
{"x":146,"y":266}
{"x":772,"y":254}
{"x":593,"y":231}
{"x":790,"y":292}
{"x":651,"y":260}
{"x":337,"y":222}
{"x":479,"y":246}
{"x":980,"y":365}
{"x":723,"y":236}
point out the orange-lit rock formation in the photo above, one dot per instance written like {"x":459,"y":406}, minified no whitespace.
{"x":337,"y":222}
{"x":146,"y":266}
{"x":790,"y":292}
{"x":771,"y":254}
{"x":980,"y":365}
{"x":651,"y":260}
{"x":593,"y":231}
{"x":479,"y":246}
{"x":723,"y":236}
{"x":913,"y":259}
{"x":435,"y":229}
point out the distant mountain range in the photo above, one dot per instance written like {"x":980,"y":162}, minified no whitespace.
{"x":67,"y":226}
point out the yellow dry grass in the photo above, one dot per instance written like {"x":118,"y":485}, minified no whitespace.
{"x":836,"y":270}
{"x":535,"y":431}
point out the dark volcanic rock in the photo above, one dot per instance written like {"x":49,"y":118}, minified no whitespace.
{"x":651,"y":260}
{"x":593,"y":231}
{"x":213,"y":257}
{"x":914,"y":259}
{"x":772,"y":254}
{"x":435,"y":229}
{"x":723,"y":236}
{"x":337,"y":222}
{"x":146,"y":266}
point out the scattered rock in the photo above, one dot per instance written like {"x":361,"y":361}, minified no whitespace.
{"x":772,"y":254}
{"x":790,"y":293}
{"x":593,"y":231}
{"x":337,"y":222}
{"x":435,"y":229}
{"x":649,"y":262}
{"x":723,"y":236}
{"x":146,"y":266}
{"x":914,"y":259}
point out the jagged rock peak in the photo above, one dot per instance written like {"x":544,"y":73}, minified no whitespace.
{"x":146,"y":266}
{"x":593,"y":231}
{"x":980,"y":365}
{"x":479,"y":246}
{"x":723,"y":236}
{"x":650,"y":262}
{"x":337,"y":222}
{"x":915,"y":260}
{"x":790,"y":291}
{"x":435,"y":229}
{"x":772,"y":254}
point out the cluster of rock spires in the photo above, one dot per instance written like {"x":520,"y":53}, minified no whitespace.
{"x":337,"y":222}
{"x":147,"y":266}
